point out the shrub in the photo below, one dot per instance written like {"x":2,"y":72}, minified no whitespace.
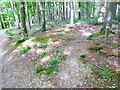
{"x":82,"y":56}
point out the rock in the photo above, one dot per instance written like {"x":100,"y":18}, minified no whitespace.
{"x":45,"y":59}
{"x":39,"y":51}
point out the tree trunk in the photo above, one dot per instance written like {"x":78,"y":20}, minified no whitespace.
{"x":79,"y":13}
{"x":71,"y":14}
{"x":27,"y":12}
{"x":15,"y":16}
{"x":109,"y":17}
{"x":43,"y":15}
{"x":23,"y":18}
{"x":101,"y":13}
{"x":2,"y":24}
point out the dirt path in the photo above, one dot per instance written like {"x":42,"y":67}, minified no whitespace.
{"x":19,"y":71}
{"x":3,"y":44}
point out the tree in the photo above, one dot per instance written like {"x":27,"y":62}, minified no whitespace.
{"x":109,"y":16}
{"x":79,"y":13}
{"x":23,"y":18}
{"x":72,"y":13}
{"x":43,"y":16}
{"x":108,"y":21}
{"x":101,"y":12}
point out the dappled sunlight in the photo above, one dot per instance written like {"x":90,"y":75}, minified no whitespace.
{"x":84,"y":33}
{"x":68,"y":51}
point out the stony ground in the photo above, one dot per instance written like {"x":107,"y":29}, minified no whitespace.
{"x":18,"y":71}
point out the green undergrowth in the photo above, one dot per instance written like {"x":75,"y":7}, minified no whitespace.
{"x":64,"y":30}
{"x":103,"y":48}
{"x":82,"y":56}
{"x":11,"y":32}
{"x":46,"y":38}
{"x":24,"y":50}
{"x":52,"y":64}
{"x":105,"y":76}
{"x":100,"y":35}
{"x":95,"y":35}
{"x":22,"y":40}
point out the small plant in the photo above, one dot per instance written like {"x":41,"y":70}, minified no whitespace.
{"x":43,"y":46}
{"x":57,"y":51}
{"x":112,"y":32}
{"x":115,"y":22}
{"x":53,"y":61}
{"x":51,"y":66}
{"x":90,"y":36}
{"x":44,"y":54}
{"x":62,"y":57}
{"x":21,"y":40}
{"x":24,"y":50}
{"x":114,"y":28}
{"x":82,"y":56}
{"x":38,"y":70}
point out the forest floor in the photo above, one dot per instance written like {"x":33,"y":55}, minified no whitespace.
{"x":18,"y":71}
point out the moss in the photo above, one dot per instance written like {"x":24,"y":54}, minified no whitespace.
{"x":64,"y":30}
{"x":102,"y":49}
{"x":96,"y":35}
{"x":46,"y":38}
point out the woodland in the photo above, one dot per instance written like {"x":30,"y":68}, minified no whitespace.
{"x":59,"y":44}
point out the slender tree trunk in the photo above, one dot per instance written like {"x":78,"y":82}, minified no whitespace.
{"x":2,"y":24}
{"x":43,"y":15}
{"x":15,"y":16}
{"x":101,"y":12}
{"x":72,"y":15}
{"x":79,"y":13}
{"x":109,"y":17}
{"x":23,"y":18}
{"x":27,"y":13}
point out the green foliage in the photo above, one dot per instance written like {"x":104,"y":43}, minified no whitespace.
{"x":82,"y":56}
{"x":36,"y":58}
{"x":24,"y":50}
{"x":115,"y":22}
{"x":90,"y":36}
{"x":62,"y":57}
{"x":38,"y":70}
{"x":106,"y":73}
{"x":44,"y":54}
{"x":43,"y":46}
{"x":52,"y":66}
{"x":95,"y":35}
{"x":21,"y":40}
{"x":114,"y":28}
{"x":57,"y":51}
{"x":12,"y":32}
{"x":53,"y":61}
{"x":112,"y":32}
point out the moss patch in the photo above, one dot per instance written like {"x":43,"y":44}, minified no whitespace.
{"x":46,"y":38}
{"x":64,"y":30}
{"x":102,"y":48}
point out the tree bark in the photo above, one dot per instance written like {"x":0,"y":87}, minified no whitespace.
{"x":28,"y":16}
{"x":109,"y":17}
{"x":43,"y":15}
{"x":23,"y":18}
{"x":101,"y":12}
{"x":72,"y":13}
{"x":79,"y":13}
